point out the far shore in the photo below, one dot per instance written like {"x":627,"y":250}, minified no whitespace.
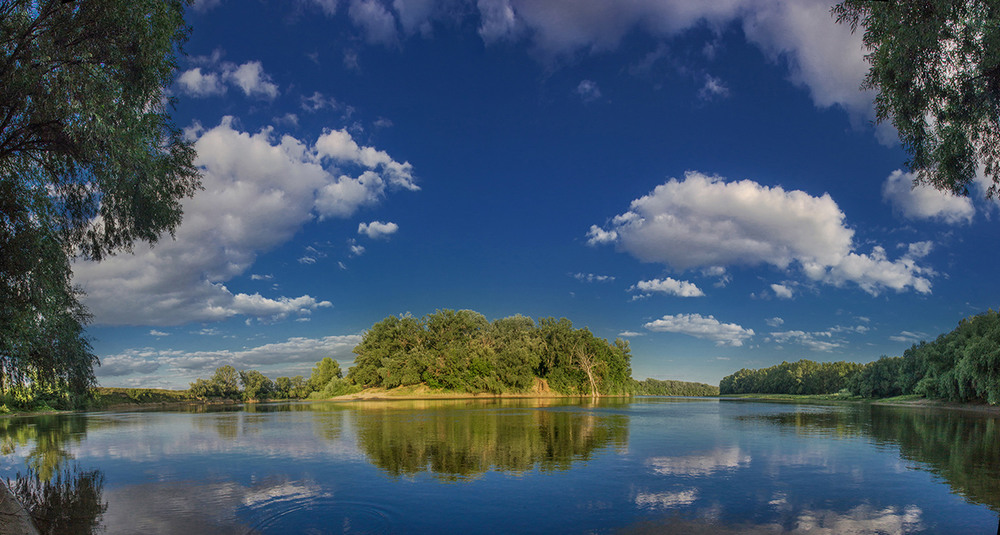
{"x":422,"y":392}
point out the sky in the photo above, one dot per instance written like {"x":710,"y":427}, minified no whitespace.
{"x":703,"y":179}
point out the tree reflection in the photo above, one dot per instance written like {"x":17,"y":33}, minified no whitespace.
{"x":48,"y":437}
{"x":69,"y":503}
{"x":455,"y":442}
{"x":959,"y":447}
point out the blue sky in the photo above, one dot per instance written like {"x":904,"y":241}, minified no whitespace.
{"x":703,"y":180}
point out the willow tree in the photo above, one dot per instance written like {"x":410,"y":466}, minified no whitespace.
{"x":90,"y":162}
{"x":935,"y":65}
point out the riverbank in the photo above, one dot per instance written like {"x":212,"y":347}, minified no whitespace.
{"x":912,"y":401}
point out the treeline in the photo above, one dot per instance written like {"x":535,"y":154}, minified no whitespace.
{"x":802,"y":377}
{"x":462,"y":351}
{"x":656,"y":387}
{"x":963,"y":365}
{"x":251,"y":385}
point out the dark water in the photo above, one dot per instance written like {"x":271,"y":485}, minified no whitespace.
{"x":648,"y":465}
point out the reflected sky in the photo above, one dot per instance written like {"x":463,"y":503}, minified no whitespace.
{"x":640,"y":466}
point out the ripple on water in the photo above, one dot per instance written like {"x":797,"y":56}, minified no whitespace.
{"x":320,"y":515}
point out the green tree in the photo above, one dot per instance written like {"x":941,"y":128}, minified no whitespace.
{"x":323,"y":371}
{"x":89,"y":163}
{"x":935,"y":65}
{"x":256,"y":385}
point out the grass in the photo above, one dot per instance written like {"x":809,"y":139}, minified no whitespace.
{"x":109,"y":396}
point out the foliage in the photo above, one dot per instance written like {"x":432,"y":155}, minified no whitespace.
{"x":936,"y":67}
{"x":323,"y":372}
{"x":963,"y":365}
{"x":224,"y":383}
{"x":656,"y":387}
{"x":89,"y":163}
{"x":801,"y":377}
{"x":256,"y":386}
{"x":462,"y":351}
{"x":109,"y":396}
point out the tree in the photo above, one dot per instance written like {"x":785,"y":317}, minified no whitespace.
{"x":323,"y":371}
{"x":256,"y":385}
{"x":935,"y":65}
{"x":89,"y":159}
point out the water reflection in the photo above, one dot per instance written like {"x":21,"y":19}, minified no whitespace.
{"x":48,"y":438}
{"x":69,"y":503}
{"x":959,"y":447}
{"x":462,"y":440}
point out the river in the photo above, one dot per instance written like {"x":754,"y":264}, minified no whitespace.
{"x":641,"y":465}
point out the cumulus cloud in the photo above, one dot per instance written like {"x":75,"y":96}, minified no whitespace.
{"x":781,"y":291}
{"x":704,"y":327}
{"x":197,"y":84}
{"x":705,"y":222}
{"x":774,"y":322}
{"x":668,"y":286}
{"x":258,"y":192}
{"x":816,"y":341}
{"x":118,"y":365}
{"x":914,"y":201}
{"x":377,"y":229}
{"x":248,"y":77}
{"x":251,"y":78}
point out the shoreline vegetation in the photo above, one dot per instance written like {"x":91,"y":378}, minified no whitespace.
{"x":461,"y":355}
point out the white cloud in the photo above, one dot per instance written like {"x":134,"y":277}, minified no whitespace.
{"x":781,"y":291}
{"x":816,"y":341}
{"x":599,"y":236}
{"x":118,"y":365}
{"x":591,"y":277}
{"x":705,"y":327}
{"x":704,"y":221}
{"x":908,"y":337}
{"x":258,"y":192}
{"x":588,"y":90}
{"x":630,"y":334}
{"x":197,"y":84}
{"x":377,"y":229}
{"x":925,"y":202}
{"x":249,"y":77}
{"x":774,"y":322}
{"x":154,"y":332}
{"x":668,"y":286}
{"x":377,"y":22}
{"x":340,"y":146}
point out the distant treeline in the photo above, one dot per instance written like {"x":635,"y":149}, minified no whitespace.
{"x":655,"y":387}
{"x":463,"y":351}
{"x":963,"y":365}
{"x":251,"y":385}
{"x":802,"y":377}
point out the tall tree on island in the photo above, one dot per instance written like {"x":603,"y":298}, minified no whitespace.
{"x":935,"y":65}
{"x":90,"y":163}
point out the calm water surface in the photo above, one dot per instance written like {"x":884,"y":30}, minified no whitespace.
{"x":647,"y":465}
